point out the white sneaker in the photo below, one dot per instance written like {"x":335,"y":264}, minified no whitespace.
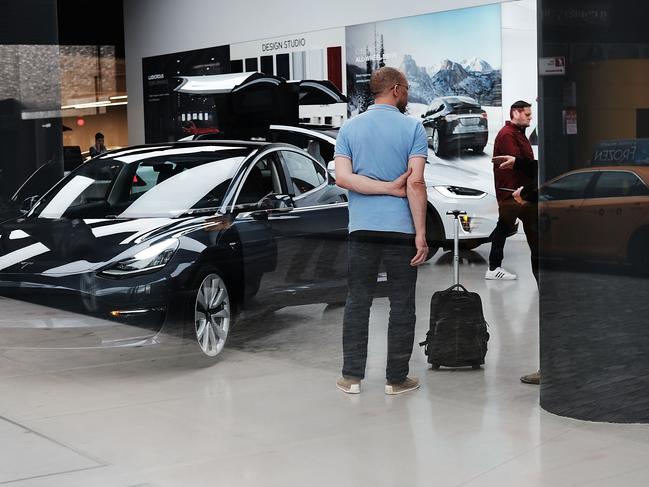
{"x":499,"y":274}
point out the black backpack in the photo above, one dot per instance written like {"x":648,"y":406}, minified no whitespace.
{"x":458,"y":331}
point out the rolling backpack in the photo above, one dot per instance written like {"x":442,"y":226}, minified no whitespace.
{"x":458,"y":334}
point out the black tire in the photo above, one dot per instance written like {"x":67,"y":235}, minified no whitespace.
{"x":433,"y":226}
{"x":637,"y":254}
{"x":476,"y":367}
{"x":470,"y":244}
{"x":478,"y":149}
{"x":437,"y":144}
{"x":434,"y":366}
{"x":211,"y":296}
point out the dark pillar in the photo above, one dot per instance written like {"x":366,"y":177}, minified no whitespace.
{"x":594,"y":290}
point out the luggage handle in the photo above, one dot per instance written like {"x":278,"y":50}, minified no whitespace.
{"x":457,"y":286}
{"x":456,"y":246}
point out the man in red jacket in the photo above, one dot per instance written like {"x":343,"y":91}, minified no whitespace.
{"x":511,"y":141}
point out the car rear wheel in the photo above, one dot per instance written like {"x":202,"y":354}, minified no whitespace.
{"x":478,"y":149}
{"x":638,"y":255}
{"x":437,"y":144}
{"x":212,"y":314}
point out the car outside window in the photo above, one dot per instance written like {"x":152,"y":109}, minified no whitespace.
{"x":145,"y":178}
{"x":612,"y":184}
{"x":569,"y":187}
{"x":304,"y":174}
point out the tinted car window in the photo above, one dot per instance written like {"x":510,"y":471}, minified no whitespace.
{"x":318,"y":148}
{"x":304,"y":174}
{"x":262,"y":180}
{"x":568,"y":187}
{"x":611,"y":184}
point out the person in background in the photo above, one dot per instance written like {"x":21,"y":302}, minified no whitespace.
{"x":99,"y":147}
{"x":527,"y":197}
{"x":380,"y":157}
{"x":511,"y":141}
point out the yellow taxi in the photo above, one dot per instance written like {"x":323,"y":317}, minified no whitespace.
{"x":599,"y":213}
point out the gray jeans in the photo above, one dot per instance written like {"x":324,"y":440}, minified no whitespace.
{"x":367,"y":250}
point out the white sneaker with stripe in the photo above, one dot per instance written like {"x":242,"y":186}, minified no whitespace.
{"x":499,"y":274}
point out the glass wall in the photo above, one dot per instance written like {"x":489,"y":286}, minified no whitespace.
{"x":594,"y":209}
{"x":62,"y":80}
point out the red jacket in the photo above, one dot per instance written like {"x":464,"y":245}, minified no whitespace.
{"x":511,"y":141}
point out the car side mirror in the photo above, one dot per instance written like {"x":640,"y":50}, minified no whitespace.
{"x":331,"y":167}
{"x":276,"y":203}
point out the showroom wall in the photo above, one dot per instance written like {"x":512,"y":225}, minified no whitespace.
{"x":160,"y":27}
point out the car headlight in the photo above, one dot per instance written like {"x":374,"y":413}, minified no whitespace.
{"x":147,"y":260}
{"x":460,"y":192}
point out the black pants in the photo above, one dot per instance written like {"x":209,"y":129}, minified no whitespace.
{"x":508,"y":212}
{"x":366,"y":252}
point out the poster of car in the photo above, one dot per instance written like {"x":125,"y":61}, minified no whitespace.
{"x":452,"y":56}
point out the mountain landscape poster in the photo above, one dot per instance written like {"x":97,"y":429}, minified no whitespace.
{"x":442,"y":54}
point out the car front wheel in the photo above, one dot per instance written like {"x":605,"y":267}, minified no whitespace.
{"x":212,"y":314}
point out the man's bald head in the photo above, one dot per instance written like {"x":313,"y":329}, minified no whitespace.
{"x":384,"y":79}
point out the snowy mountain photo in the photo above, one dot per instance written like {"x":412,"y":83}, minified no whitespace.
{"x":438,"y":54}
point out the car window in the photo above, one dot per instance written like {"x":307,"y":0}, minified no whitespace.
{"x":570,"y":187}
{"x":157,"y":182}
{"x":263,"y":179}
{"x":304,"y":174}
{"x":319,"y":149}
{"x":97,"y":182}
{"x":145,"y":178}
{"x":611,"y":184}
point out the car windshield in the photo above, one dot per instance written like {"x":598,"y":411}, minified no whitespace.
{"x":138,"y":184}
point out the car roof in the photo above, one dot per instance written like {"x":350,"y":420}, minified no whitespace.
{"x":642,"y":171}
{"x":459,"y":99}
{"x":328,"y":130}
{"x":245,"y":144}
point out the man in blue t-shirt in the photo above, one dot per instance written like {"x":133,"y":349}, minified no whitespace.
{"x":380,"y":157}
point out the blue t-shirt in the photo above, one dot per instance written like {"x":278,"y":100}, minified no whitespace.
{"x":379,"y":143}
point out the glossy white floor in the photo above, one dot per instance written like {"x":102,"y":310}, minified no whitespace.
{"x":268,"y":413}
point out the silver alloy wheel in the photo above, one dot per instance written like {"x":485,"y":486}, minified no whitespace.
{"x":212,"y":315}
{"x":435,"y":141}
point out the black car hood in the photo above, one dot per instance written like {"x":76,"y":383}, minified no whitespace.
{"x":65,"y":246}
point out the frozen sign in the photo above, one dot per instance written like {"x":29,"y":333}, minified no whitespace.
{"x":621,"y":152}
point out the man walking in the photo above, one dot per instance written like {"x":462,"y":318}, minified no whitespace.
{"x":511,"y":141}
{"x":525,"y":195}
{"x":380,"y":157}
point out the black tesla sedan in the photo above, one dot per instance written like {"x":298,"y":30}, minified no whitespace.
{"x":189,"y":232}
{"x":453,"y":123}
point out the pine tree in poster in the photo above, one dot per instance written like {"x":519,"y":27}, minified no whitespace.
{"x":366,"y":98}
{"x":382,"y":54}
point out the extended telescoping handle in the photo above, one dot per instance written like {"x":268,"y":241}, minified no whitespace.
{"x":456,"y":245}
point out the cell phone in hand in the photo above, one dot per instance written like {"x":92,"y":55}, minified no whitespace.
{"x":507,"y":189}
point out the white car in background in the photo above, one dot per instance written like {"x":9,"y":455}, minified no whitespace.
{"x":449,"y":186}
